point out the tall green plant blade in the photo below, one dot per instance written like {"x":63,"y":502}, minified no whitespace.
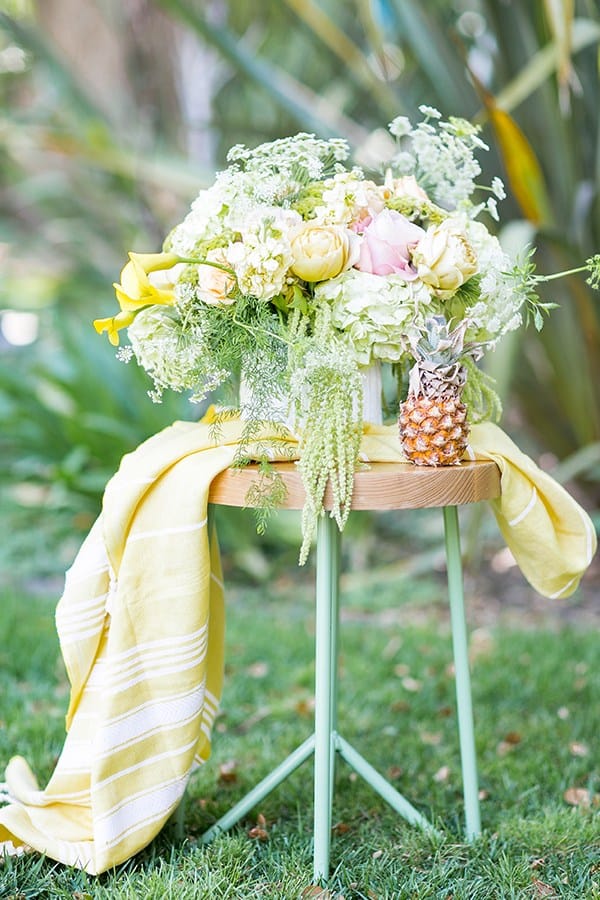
{"x":560,"y":14}
{"x":584,"y":462}
{"x":350,"y":53}
{"x":168,"y":172}
{"x":543,"y":64}
{"x":297,"y":99}
{"x":427,"y":37}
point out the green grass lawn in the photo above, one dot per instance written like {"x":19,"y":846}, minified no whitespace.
{"x":537,"y":722}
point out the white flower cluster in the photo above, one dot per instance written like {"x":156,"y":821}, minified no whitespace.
{"x":347,"y":196}
{"x":440,"y":156}
{"x":171,"y":356}
{"x":262,"y":259}
{"x":498,"y":309}
{"x":294,"y":271}
{"x":296,"y":160}
{"x":205,"y":221}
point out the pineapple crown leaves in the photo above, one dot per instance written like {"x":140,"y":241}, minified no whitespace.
{"x":441,"y":345}
{"x":440,"y":352}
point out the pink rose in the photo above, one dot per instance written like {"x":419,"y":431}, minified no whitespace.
{"x":386,"y":245}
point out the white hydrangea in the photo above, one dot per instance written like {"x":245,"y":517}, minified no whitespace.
{"x":262,"y":259}
{"x":174,"y":358}
{"x":223,"y":209}
{"x":204,"y":222}
{"x":498,"y":309}
{"x":379,"y":316}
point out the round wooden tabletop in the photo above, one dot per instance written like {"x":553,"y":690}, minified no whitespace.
{"x":380,"y":486}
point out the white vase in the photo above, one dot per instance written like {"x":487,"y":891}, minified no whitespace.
{"x":372,"y":390}
{"x":279,"y":411}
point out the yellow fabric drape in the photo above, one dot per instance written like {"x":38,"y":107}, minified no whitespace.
{"x":141,"y":631}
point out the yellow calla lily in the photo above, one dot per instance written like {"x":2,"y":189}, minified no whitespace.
{"x":113,"y":324}
{"x":152,"y":262}
{"x":146,"y":280}
{"x":137,"y":289}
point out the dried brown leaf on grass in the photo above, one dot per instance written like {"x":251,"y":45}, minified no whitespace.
{"x":508,"y":743}
{"x":228,"y":772}
{"x":541,"y":889}
{"x":259,"y":831}
{"x":576,"y":796}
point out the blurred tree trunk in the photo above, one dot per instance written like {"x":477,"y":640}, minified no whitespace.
{"x":201,"y":75}
{"x":124,"y":55}
{"x":145,"y":72}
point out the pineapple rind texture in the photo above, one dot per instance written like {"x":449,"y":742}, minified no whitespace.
{"x":433,"y":419}
{"x":433,"y":432}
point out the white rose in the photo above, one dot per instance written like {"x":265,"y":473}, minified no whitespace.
{"x":444,"y":259}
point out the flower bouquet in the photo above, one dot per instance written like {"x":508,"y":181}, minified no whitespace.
{"x":295,"y":273}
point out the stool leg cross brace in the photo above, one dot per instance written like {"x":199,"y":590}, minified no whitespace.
{"x":326,"y":742}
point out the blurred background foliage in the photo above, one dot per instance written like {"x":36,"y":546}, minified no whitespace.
{"x":114,"y":114}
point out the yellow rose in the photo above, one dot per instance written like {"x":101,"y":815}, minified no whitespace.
{"x":321,"y":252}
{"x":444,"y":259}
{"x":215,"y":285}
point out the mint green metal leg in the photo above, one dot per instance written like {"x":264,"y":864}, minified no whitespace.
{"x":462,"y":676}
{"x":334,"y":594}
{"x":258,"y":793}
{"x":325,"y":742}
{"x":380,"y":785}
{"x":325,"y":677}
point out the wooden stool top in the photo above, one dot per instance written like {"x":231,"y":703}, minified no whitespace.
{"x":382,"y":486}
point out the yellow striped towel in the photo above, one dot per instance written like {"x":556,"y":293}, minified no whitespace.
{"x":141,"y":630}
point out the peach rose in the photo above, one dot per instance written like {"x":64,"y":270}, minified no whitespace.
{"x":214,"y":284}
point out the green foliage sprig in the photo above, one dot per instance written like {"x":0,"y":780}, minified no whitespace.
{"x":478,"y":394}
{"x":328,"y":394}
{"x":527,"y":280}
